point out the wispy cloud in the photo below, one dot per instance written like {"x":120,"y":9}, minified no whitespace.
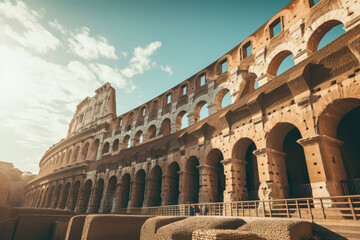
{"x":33,"y":35}
{"x":167,"y":69}
{"x":140,"y":62}
{"x":56,"y":25}
{"x":89,"y":47}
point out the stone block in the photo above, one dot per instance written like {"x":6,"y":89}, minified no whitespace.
{"x":150,"y":227}
{"x":113,"y":227}
{"x":39,"y":227}
{"x":275,"y":229}
{"x":75,"y":228}
{"x":182,"y":230}
{"x":221,"y":234}
{"x":59,"y":230}
{"x":39,"y":211}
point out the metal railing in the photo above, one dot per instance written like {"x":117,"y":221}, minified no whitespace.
{"x":351,"y":187}
{"x":301,"y":191}
{"x":342,"y":207}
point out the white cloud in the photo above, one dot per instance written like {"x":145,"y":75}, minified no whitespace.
{"x":28,"y":32}
{"x":140,"y":62}
{"x":56,"y":25}
{"x":167,"y":69}
{"x":90,"y":48}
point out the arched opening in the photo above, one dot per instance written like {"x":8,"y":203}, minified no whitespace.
{"x":115,"y":146}
{"x":154,"y":187}
{"x":38,"y":204}
{"x":340,"y":120}
{"x":325,"y":34}
{"x":151,"y":132}
{"x":84,"y":152}
{"x":280,"y":63}
{"x":243,"y":151}
{"x":94,"y":150}
{"x":165,"y":128}
{"x":50,"y":196}
{"x":76,"y":154}
{"x":65,"y":196}
{"x":68,"y":157}
{"x":74,"y":195}
{"x":222,"y":99}
{"x":200,"y":111}
{"x":138,"y":138}
{"x":283,"y":138}
{"x":99,"y":189}
{"x":182,"y":120}
{"x":110,"y":195}
{"x":125,"y":190}
{"x":63,"y":163}
{"x":173,"y":183}
{"x":85,"y":196}
{"x":57,"y":196}
{"x":106,"y":148}
{"x":216,"y":175}
{"x":44,"y":197}
{"x":126,"y":142}
{"x":138,"y":189}
{"x":191,"y":186}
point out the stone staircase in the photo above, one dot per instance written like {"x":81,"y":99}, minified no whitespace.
{"x":339,"y":230}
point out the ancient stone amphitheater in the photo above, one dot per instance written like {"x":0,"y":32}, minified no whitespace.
{"x":295,"y":136}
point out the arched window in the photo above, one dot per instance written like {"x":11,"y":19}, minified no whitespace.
{"x":280,"y":63}
{"x":115,"y":146}
{"x":126,"y":142}
{"x":151,"y":132}
{"x":222,"y":99}
{"x":138,"y":138}
{"x":182,"y":120}
{"x":200,"y":111}
{"x":165,"y":127}
{"x":106,"y":148}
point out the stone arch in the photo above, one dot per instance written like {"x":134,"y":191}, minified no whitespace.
{"x":314,"y":33}
{"x":126,"y":142}
{"x":214,"y":173}
{"x":125,"y":190}
{"x":219,"y":98}
{"x":76,"y":154}
{"x":191,"y":184}
{"x":138,"y":138}
{"x":99,"y":189}
{"x":84,"y":152}
{"x":318,"y":34}
{"x":275,"y":60}
{"x":172,"y":183}
{"x":245,"y":162}
{"x":57,"y":196}
{"x":65,"y":195}
{"x":339,"y":122}
{"x":284,"y":150}
{"x":110,"y":195}
{"x":49,"y":197}
{"x":116,"y":144}
{"x":151,"y":132}
{"x":138,"y":190}
{"x":94,"y":149}
{"x":85,"y":196}
{"x":74,"y":195}
{"x":154,"y":184}
{"x":252,"y":41}
{"x":106,"y":148}
{"x":217,"y":68}
{"x":68,"y":156}
{"x":197,"y":109}
{"x":179,"y":120}
{"x":165,"y":128}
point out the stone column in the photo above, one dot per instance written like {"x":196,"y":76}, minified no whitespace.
{"x":118,"y":198}
{"x":69,"y":197}
{"x":272,"y":174}
{"x":148,"y":193}
{"x":131,"y":197}
{"x":235,"y":170}
{"x":168,"y":189}
{"x":208,"y":181}
{"x":105,"y":198}
{"x":184,"y":189}
{"x":91,"y":204}
{"x":325,"y":165}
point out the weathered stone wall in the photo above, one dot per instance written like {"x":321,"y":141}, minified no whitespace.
{"x":269,"y":142}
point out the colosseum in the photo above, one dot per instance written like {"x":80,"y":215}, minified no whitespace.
{"x":292,"y":135}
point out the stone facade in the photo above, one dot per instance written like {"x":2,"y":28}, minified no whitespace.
{"x":291,"y":137}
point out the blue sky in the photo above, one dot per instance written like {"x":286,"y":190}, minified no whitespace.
{"x":55,"y":53}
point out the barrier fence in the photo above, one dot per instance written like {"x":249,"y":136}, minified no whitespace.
{"x":325,"y":208}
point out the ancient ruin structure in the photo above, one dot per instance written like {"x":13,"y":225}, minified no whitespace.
{"x":296,"y":135}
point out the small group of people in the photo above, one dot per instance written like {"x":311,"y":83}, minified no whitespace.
{"x":194,"y":210}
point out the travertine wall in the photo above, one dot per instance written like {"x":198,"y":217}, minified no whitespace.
{"x":278,"y":141}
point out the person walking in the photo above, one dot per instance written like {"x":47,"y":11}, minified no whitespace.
{"x":204,"y":210}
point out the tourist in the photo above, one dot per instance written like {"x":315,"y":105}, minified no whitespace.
{"x":204,"y":210}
